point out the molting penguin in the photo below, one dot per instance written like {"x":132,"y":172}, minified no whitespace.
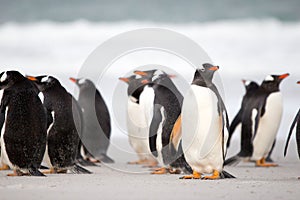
{"x":260,"y":123}
{"x":138,"y":129}
{"x":64,"y":126}
{"x":204,"y":126}
{"x":165,"y":127}
{"x":251,"y":88}
{"x":296,"y":121}
{"x":24,"y":131}
{"x":97,"y":125}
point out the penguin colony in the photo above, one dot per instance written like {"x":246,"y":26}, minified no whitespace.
{"x":44,"y":129}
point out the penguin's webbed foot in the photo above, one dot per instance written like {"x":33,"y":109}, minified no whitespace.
{"x":195,"y":175}
{"x":214,"y":176}
{"x":18,"y":172}
{"x":262,"y":163}
{"x":4,"y":167}
{"x":162,"y":170}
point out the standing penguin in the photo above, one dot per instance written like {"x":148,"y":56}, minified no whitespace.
{"x":260,"y":123}
{"x":24,"y":131}
{"x":251,"y":88}
{"x":296,"y":121}
{"x":204,"y":126}
{"x":138,"y":128}
{"x":64,"y":127}
{"x":165,"y":132}
{"x":97,"y":125}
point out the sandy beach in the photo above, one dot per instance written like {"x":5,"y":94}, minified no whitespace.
{"x":123,"y":181}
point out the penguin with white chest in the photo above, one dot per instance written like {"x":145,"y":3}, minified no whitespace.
{"x":165,"y":132}
{"x":204,"y":127}
{"x":24,"y":129}
{"x":260,"y":123}
{"x":64,"y":127}
{"x":138,"y":128}
{"x":96,"y":117}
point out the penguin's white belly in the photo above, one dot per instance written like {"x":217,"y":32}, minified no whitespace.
{"x":202,"y":130}
{"x":268,"y":126}
{"x":4,"y":156}
{"x":146,"y":102}
{"x":138,"y":131}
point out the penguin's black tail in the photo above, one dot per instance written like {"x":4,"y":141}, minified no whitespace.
{"x":233,"y":161}
{"x":225,"y":175}
{"x":35,"y":172}
{"x":79,"y":170}
{"x":105,"y":158}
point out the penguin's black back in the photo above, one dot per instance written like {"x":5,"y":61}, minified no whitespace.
{"x":63,"y":136}
{"x":25,"y":125}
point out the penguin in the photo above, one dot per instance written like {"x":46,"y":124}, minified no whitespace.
{"x":24,"y":125}
{"x":165,"y":132}
{"x":97,"y":125}
{"x":296,"y":121}
{"x":137,"y":126}
{"x":64,"y":127}
{"x":204,"y":127}
{"x":251,"y":87}
{"x":260,"y":122}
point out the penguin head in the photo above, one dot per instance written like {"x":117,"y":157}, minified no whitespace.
{"x":146,"y":74}
{"x":128,"y":80}
{"x":134,"y":84}
{"x":204,"y":76}
{"x":44,"y":82}
{"x":272,"y":82}
{"x":250,"y":85}
{"x":83,"y":83}
{"x":9,"y":78}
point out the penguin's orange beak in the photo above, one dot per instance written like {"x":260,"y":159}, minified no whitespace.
{"x":283,"y":76}
{"x":74,"y":80}
{"x":214,"y":68}
{"x":126,"y":80}
{"x":141,"y":73}
{"x":244,"y":81}
{"x":32,"y":78}
{"x":298,"y":82}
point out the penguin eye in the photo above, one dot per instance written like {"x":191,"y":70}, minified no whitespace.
{"x":202,"y":70}
{"x":81,"y":81}
{"x":3,"y":77}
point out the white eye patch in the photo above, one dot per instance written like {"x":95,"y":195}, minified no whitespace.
{"x":3,"y":77}
{"x":269,"y":78}
{"x":247,"y":83}
{"x":45,"y":79}
{"x":81,"y":81}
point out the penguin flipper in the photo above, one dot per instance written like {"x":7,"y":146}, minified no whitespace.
{"x":35,"y":172}
{"x":79,"y":170}
{"x":233,"y":161}
{"x":225,"y":174}
{"x":290,"y":133}
{"x":235,"y":122}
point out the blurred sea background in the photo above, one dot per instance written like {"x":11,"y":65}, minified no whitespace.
{"x":247,"y":39}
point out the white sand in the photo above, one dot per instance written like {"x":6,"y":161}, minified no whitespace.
{"x":118,"y":182}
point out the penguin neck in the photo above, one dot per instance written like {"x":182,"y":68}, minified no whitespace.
{"x":268,"y":88}
{"x":203,"y":83}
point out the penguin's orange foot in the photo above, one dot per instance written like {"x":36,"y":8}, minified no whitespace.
{"x":139,"y":162}
{"x":262,"y":163}
{"x":93,"y":160}
{"x":150,"y":164}
{"x":4,"y":167}
{"x":50,"y":171}
{"x":174,"y":171}
{"x":18,"y":173}
{"x":160,"y":171}
{"x":214,"y":176}
{"x":195,"y":175}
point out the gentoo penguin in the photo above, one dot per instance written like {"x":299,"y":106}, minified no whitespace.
{"x":165,"y":132}
{"x":204,"y":127}
{"x":97,"y":125}
{"x":64,"y":127}
{"x":24,"y":131}
{"x":296,"y":121}
{"x":251,"y":87}
{"x":260,"y":123}
{"x":138,"y":129}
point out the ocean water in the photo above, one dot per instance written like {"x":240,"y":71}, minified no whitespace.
{"x":248,"y":40}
